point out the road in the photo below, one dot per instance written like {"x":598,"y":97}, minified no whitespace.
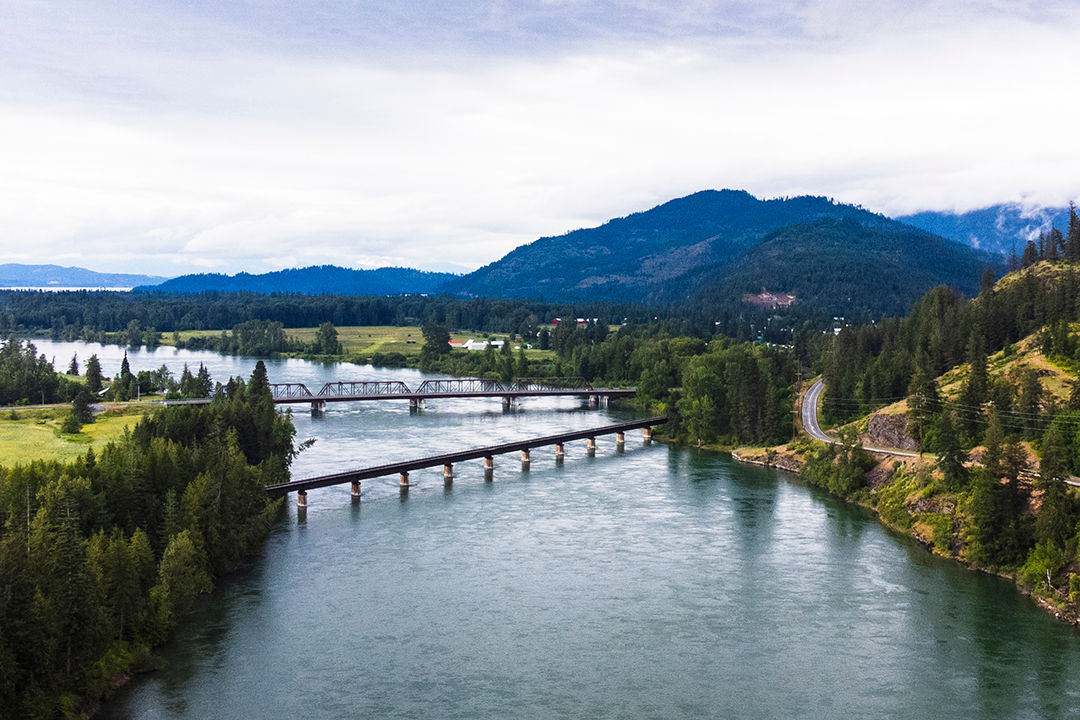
{"x":810,"y":422}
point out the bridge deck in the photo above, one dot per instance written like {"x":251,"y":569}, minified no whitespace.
{"x":456,"y":457}
{"x":600,"y":392}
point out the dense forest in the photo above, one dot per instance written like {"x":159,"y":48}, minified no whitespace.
{"x":100,"y":557}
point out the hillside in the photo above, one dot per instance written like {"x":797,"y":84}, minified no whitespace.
{"x":843,"y":268}
{"x":315,"y":280}
{"x":17,"y":275}
{"x":1000,"y":229}
{"x":651,"y":256}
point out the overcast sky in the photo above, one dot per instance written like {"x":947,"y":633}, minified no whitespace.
{"x":207,"y":135}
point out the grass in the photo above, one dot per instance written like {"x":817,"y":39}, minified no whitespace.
{"x":366,"y":340}
{"x":36,"y":435}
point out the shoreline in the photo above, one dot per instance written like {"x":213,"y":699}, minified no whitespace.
{"x":791,"y":461}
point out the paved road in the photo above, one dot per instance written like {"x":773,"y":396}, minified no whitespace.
{"x":810,"y":403}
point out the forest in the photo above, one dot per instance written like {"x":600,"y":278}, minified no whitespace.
{"x":100,"y":558}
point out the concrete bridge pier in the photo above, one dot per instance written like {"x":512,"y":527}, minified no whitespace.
{"x":508,"y":402}
{"x":560,"y":453}
{"x":590,"y":447}
{"x":448,"y":474}
{"x":489,"y":467}
{"x":526,"y":459}
{"x":620,"y":442}
{"x":301,"y":499}
{"x":646,"y":436}
{"x":355,"y":491}
{"x":594,"y":402}
{"x":403,"y":482}
{"x":318,"y":407}
{"x":414,"y":404}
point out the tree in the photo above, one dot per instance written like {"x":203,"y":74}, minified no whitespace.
{"x":1030,"y":256}
{"x":522,"y":369}
{"x":326,"y":340}
{"x":1072,"y":240}
{"x":951,"y":455}
{"x":73,"y":367}
{"x":436,"y":342}
{"x":93,"y":374}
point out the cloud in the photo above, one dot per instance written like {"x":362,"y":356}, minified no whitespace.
{"x":239,"y":137}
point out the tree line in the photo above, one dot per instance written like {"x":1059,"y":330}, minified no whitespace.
{"x":100,"y":557}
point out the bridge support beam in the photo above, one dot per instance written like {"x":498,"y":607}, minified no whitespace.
{"x":318,"y":407}
{"x":403,"y":482}
{"x":414,"y":404}
{"x":489,"y":467}
{"x":301,"y":499}
{"x":448,"y":474}
{"x":646,"y":436}
{"x":620,"y":442}
{"x":526,"y":459}
{"x":354,"y":491}
{"x":591,"y":447}
{"x":560,"y":453}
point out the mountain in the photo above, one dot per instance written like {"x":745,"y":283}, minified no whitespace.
{"x":16,"y":275}
{"x":999,"y":228}
{"x":314,"y":280}
{"x":717,"y":246}
{"x":844,"y":268}
{"x":648,"y":256}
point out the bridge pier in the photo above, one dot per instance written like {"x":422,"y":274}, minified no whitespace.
{"x":526,"y":459}
{"x":560,"y":453}
{"x":620,"y":442}
{"x":448,"y":474}
{"x":507,"y":403}
{"x":301,"y":499}
{"x":355,"y":491}
{"x":403,"y":482}
{"x":318,"y":407}
{"x":489,"y":467}
{"x":414,"y":404}
{"x":594,"y":402}
{"x":590,"y":447}
{"x":646,"y":436}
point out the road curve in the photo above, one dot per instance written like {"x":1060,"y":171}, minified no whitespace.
{"x":810,"y":422}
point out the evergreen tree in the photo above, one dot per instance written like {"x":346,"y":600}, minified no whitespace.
{"x":93,"y":374}
{"x":1072,"y":240}
{"x":522,"y":369}
{"x":1030,"y":256}
{"x":974,"y":392}
{"x":951,"y":455}
{"x":73,"y":367}
{"x":1055,"y":454}
{"x":125,"y":369}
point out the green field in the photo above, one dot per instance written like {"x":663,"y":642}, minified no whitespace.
{"x":369,"y":339}
{"x":36,"y":435}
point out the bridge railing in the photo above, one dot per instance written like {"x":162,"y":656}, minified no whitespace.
{"x":555,"y":383}
{"x":363,"y":388}
{"x":461,"y":385}
{"x":285,"y":391}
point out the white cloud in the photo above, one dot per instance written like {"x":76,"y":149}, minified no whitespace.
{"x":142,"y":156}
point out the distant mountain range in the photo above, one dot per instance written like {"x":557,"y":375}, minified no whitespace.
{"x":314,"y":280}
{"x":714,"y":247}
{"x":1001,"y":229}
{"x":16,"y":275}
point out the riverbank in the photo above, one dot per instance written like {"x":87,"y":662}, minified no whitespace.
{"x":907,"y":496}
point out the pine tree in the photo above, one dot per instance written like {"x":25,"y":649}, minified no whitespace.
{"x":1030,"y":256}
{"x":951,"y":455}
{"x":93,"y":374}
{"x":1072,"y":240}
{"x":73,"y":368}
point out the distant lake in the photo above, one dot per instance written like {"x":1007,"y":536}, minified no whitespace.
{"x":57,"y":288}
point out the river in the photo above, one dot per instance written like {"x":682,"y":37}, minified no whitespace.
{"x":659,"y":582}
